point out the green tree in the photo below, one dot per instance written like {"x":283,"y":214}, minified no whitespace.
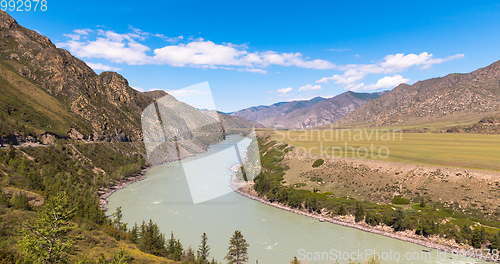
{"x":47,"y":239}
{"x":188,"y":256}
{"x":152,"y":240}
{"x":238,"y":249}
{"x":4,"y":200}
{"x":478,"y":237}
{"x":203,"y":249}
{"x":422,"y":202}
{"x":134,"y":234}
{"x":399,"y":220}
{"x":341,"y":210}
{"x":359,"y":213}
{"x":495,"y":244}
{"x":174,"y":248}
{"x":20,"y":201}
{"x":117,"y":220}
{"x":373,"y":219}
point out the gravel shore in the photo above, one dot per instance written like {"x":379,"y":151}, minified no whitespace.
{"x":434,"y":242}
{"x":105,"y":193}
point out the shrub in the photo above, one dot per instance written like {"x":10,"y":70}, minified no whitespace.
{"x":20,"y":201}
{"x":373,"y":219}
{"x":400,"y":200}
{"x":318,"y":163}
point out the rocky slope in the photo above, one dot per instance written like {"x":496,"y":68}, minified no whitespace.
{"x":307,"y":113}
{"x":51,"y":84}
{"x":46,"y":93}
{"x":438,"y":99}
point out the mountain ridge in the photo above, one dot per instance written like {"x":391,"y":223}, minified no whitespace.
{"x":442,"y":98}
{"x":47,"y":93}
{"x":315,"y":112}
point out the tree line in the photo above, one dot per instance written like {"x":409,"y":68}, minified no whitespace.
{"x":425,"y":218}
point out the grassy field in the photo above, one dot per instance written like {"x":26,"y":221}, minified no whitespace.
{"x":442,"y":149}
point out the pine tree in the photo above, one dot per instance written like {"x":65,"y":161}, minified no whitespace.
{"x":188,"y":256}
{"x":47,"y":240}
{"x":478,"y":237}
{"x":117,"y":220}
{"x":495,"y":244}
{"x":134,"y":234}
{"x":203,"y":250}
{"x":174,"y":248}
{"x":399,"y":220}
{"x":238,"y":249}
{"x":359,"y":214}
{"x":342,"y":210}
{"x":151,"y":239}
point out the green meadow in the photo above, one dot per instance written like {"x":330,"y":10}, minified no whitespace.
{"x":474,"y":151}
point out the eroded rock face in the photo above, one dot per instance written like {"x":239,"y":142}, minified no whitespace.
{"x":75,"y":134}
{"x":47,"y":139}
{"x":106,"y":102}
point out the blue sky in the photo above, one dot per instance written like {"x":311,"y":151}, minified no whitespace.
{"x":261,"y":52}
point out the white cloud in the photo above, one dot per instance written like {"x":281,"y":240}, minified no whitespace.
{"x":390,"y":81}
{"x":310,"y":87}
{"x":83,"y":31}
{"x":101,"y":67}
{"x":353,"y":74}
{"x":129,"y":49}
{"x":284,"y":90}
{"x":108,"y":45}
{"x":382,"y":83}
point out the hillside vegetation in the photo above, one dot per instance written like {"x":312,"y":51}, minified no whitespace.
{"x":416,"y":215}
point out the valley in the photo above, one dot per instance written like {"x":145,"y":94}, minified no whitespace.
{"x":96,"y":170}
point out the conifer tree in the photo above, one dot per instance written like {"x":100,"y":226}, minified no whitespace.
{"x":359,"y":213}
{"x":47,"y":240}
{"x":238,"y":249}
{"x":203,"y":249}
{"x":174,"y":248}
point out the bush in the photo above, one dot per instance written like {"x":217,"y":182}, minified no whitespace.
{"x":20,"y":201}
{"x":373,"y":219}
{"x":400,"y":200}
{"x":4,"y":201}
{"x":318,"y":163}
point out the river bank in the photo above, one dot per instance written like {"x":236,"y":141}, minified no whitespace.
{"x":435,"y":242}
{"x":105,"y":193}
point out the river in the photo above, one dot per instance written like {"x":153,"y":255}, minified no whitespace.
{"x":275,"y":236}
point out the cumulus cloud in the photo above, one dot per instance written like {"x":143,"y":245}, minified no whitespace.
{"x":109,"y":45}
{"x":309,"y":87}
{"x":129,"y":48}
{"x":284,"y":90}
{"x":101,"y":67}
{"x":353,"y":74}
{"x":382,"y":83}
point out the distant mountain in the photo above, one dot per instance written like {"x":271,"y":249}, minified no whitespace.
{"x":448,"y":98}
{"x":318,"y":111}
